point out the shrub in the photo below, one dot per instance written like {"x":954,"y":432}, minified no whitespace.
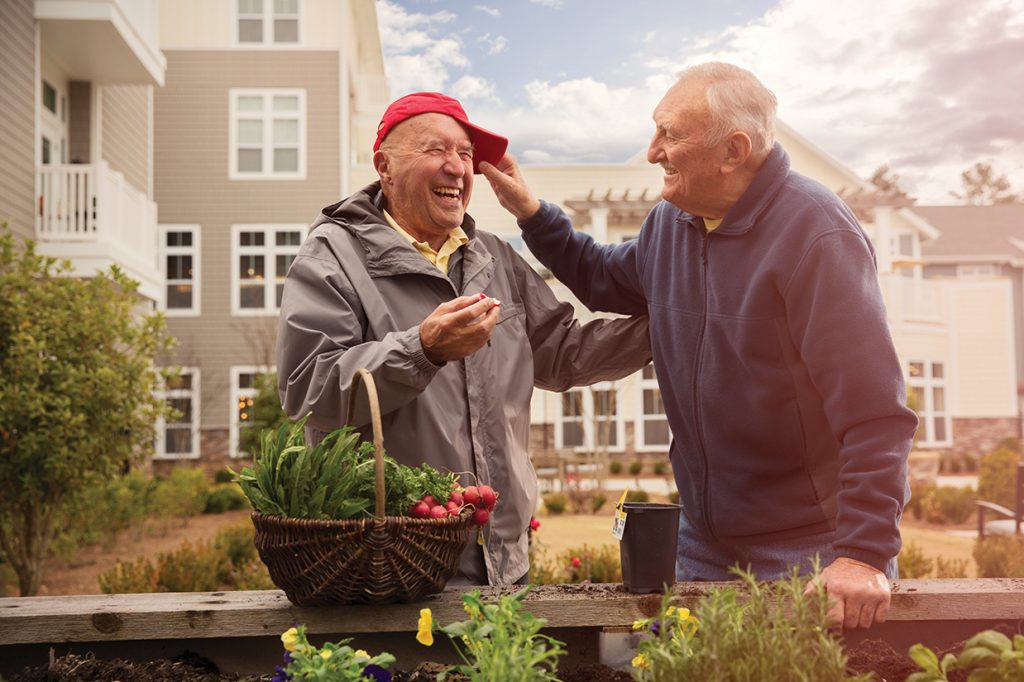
{"x":948,"y":504}
{"x":913,"y":563}
{"x":236,"y":542}
{"x":660,"y":468}
{"x":597,"y":501}
{"x":577,"y":565}
{"x":918,"y":494}
{"x":673,"y":497}
{"x":999,"y":557}
{"x":954,"y":568}
{"x":738,"y":637}
{"x":225,"y":497}
{"x":192,"y":569}
{"x":126,"y":578}
{"x":99,"y":512}
{"x":997,"y":477}
{"x":555,"y":503}
{"x":989,"y":656}
{"x":635,"y":468}
{"x":223,"y":476}
{"x":637,"y":496}
{"x":615,"y":467}
{"x":251,"y":576}
{"x":181,"y":495}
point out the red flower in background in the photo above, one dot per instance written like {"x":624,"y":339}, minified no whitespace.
{"x":575,"y":562}
{"x":534,"y":523}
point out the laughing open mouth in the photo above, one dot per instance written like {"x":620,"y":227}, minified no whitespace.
{"x":448,"y":192}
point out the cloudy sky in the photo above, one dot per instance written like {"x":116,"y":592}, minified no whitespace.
{"x":928,"y":87}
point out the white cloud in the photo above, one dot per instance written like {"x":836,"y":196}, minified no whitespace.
{"x":556,"y":4}
{"x":474,"y":88}
{"x":495,"y":44}
{"x":488,"y":10}
{"x":417,"y":57}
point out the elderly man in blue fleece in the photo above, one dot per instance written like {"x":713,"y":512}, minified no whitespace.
{"x":781,"y":384}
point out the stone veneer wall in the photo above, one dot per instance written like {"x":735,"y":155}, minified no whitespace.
{"x":975,"y":437}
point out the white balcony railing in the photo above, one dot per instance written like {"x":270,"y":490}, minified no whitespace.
{"x":909,"y":299}
{"x":91,"y":213}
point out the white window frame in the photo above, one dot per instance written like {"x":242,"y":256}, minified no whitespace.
{"x":589,"y":437}
{"x":977,"y":271}
{"x":237,"y":394}
{"x":196,"y":252}
{"x":642,"y":417}
{"x":268,"y":27}
{"x":267,"y":116}
{"x":194,"y":395}
{"x":269,"y":251}
{"x":926,"y":412}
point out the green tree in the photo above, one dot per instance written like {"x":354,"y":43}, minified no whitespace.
{"x":266,"y":413}
{"x":982,"y":187}
{"x":77,"y":401}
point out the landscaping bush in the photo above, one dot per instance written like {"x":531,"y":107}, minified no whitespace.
{"x":199,"y":568}
{"x":660,"y":468}
{"x":954,"y":568}
{"x":223,"y":476}
{"x":615,"y":467}
{"x":597,"y":502}
{"x":577,"y":565}
{"x":100,"y":511}
{"x":997,"y":477}
{"x":555,"y":503}
{"x":129,"y":578}
{"x":999,"y":557}
{"x":181,"y":495}
{"x":638,"y":496}
{"x":949,"y":504}
{"x":673,"y":497}
{"x":913,"y":563}
{"x":236,"y":542}
{"x":635,"y":468}
{"x":225,"y":497}
{"x":918,"y":494}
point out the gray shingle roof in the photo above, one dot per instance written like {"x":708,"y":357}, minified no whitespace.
{"x":974,"y":230}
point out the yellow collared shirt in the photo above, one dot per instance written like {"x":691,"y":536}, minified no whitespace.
{"x":438,"y":259}
{"x":710,"y":224}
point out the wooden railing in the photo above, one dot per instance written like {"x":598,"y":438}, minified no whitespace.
{"x":240,"y":630}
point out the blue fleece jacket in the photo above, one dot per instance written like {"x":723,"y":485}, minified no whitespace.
{"x":776,"y":367}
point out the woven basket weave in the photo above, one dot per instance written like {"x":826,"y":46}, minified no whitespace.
{"x":361,"y":561}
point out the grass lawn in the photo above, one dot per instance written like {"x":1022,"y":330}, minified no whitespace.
{"x":559,"y":533}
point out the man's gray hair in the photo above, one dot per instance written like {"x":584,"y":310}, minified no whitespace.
{"x":737,"y":100}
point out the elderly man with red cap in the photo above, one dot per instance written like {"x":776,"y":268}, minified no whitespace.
{"x":456,"y":328}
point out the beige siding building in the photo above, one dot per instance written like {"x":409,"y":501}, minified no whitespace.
{"x":76,"y":161}
{"x":264,"y":107}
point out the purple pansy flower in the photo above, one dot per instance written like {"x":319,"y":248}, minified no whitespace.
{"x":377,"y":673}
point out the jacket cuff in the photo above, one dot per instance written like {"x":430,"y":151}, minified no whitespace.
{"x":543,"y":217}
{"x":419,"y":359}
{"x":872,"y":559}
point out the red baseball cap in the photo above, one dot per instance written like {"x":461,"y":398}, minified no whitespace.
{"x":487,"y":146}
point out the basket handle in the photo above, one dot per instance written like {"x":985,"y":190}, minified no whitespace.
{"x":364,"y":376}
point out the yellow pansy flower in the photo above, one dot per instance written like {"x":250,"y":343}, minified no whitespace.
{"x":290,"y":639}
{"x":325,"y":654}
{"x":362,"y":652}
{"x":425,"y":628}
{"x":639,"y":661}
{"x":639,"y":624}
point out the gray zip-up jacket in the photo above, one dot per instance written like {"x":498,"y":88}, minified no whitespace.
{"x":355,"y":296}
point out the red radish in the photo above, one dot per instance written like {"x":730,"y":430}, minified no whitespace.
{"x":456,"y":497}
{"x":420,"y":510}
{"x":471,"y":495}
{"x":480,"y":516}
{"x":455,"y":485}
{"x":431,"y":502}
{"x":438,"y":512}
{"x":452,"y":508}
{"x":488,"y":496}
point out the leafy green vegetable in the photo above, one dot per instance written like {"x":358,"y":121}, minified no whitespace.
{"x":334,"y":479}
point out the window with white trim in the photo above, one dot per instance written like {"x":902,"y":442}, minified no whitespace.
{"x":591,"y":418}
{"x":652,"y":431}
{"x":268,"y":22}
{"x":179,"y":263}
{"x":178,"y":434}
{"x":926,"y":384}
{"x":260,"y":258}
{"x":244,"y":387}
{"x":267,"y":134}
{"x":976,"y":271}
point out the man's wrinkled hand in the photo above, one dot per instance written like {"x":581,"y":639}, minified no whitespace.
{"x":858,"y":594}
{"x":512,"y":191}
{"x":458,"y":328}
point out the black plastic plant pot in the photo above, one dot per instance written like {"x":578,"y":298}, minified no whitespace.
{"x":648,"y":546}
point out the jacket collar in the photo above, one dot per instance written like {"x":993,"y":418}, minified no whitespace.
{"x":387,"y":252}
{"x":743,"y":215}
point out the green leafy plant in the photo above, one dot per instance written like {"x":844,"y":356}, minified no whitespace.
{"x":989,"y":656}
{"x":638,"y":496}
{"x":266,"y":413}
{"x":615,"y":467}
{"x":997,"y":475}
{"x":913,"y":563}
{"x":635,"y":468}
{"x":78,"y":393}
{"x":667,"y":637}
{"x":334,"y":479}
{"x":751,"y":632}
{"x":334,"y":661}
{"x":953,"y":568}
{"x":999,"y":556}
{"x":555,"y":503}
{"x":499,"y":642}
{"x":225,"y":497}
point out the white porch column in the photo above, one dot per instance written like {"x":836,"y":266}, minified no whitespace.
{"x":599,"y":224}
{"x":883,"y":238}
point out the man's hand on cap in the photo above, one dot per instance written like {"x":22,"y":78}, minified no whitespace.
{"x":512,"y":191}
{"x":458,"y":328}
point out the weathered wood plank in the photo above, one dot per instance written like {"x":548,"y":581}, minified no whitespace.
{"x":94,"y":618}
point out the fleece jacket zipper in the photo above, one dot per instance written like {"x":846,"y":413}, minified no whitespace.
{"x":698,"y":429}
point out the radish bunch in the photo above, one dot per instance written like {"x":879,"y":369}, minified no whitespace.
{"x":481,"y":498}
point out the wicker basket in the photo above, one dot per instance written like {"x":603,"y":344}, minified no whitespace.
{"x":361,"y":561}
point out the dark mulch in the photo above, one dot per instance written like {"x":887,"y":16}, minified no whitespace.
{"x":74,"y":668}
{"x":594,"y":672}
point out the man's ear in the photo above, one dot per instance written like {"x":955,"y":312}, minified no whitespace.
{"x":382,"y":165}
{"x":737,"y":150}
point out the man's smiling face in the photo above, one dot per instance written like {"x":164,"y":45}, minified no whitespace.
{"x":427,"y":175}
